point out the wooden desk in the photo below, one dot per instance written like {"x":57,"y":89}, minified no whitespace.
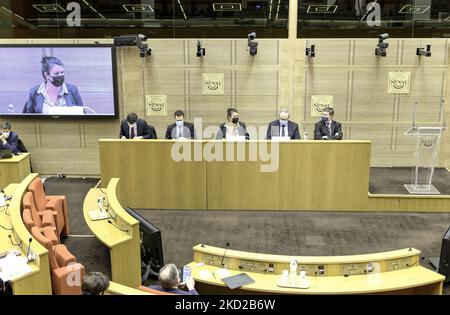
{"x":14,"y":170}
{"x":123,"y":245}
{"x":415,"y":280}
{"x":38,"y":281}
{"x":301,"y":181}
{"x":393,"y":272}
{"x":119,"y":289}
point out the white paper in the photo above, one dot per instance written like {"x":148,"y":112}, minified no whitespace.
{"x":13,"y":266}
{"x":223,"y":273}
{"x":205,"y":274}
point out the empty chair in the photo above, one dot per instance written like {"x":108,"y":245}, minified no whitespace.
{"x":57,"y":204}
{"x":66,"y":273}
{"x":40,"y":218}
{"x":48,"y":231}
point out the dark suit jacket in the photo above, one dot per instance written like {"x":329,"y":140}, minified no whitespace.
{"x":188,"y":131}
{"x":222,"y":133}
{"x":12,"y":143}
{"x":35,"y":101}
{"x":274,"y":130}
{"x":322,"y":130}
{"x":143,"y":130}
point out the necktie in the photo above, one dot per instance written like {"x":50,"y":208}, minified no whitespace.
{"x":283,"y":131}
{"x":132,"y":135}
{"x":328,"y":128}
{"x":180,"y":132}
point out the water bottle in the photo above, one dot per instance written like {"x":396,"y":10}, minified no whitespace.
{"x":305,"y":135}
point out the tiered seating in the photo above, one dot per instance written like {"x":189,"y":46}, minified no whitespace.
{"x":46,"y":219}
{"x":66,"y":273}
{"x":56,"y":204}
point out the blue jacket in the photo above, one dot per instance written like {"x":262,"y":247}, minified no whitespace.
{"x":35,"y":101}
{"x":11,"y":143}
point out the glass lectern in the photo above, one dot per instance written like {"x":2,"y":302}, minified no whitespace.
{"x":427,"y":150}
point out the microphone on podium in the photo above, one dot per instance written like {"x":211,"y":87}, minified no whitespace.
{"x":118,"y":227}
{"x":224,"y":253}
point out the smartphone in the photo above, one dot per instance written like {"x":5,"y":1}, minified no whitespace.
{"x":186,"y":273}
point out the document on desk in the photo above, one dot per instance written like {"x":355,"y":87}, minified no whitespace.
{"x":222,"y":272}
{"x":98,"y":215}
{"x":206,"y":274}
{"x":13,"y":266}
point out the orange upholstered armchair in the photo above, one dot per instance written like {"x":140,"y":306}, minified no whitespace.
{"x":48,"y":231}
{"x":66,"y":273}
{"x":57,"y":204}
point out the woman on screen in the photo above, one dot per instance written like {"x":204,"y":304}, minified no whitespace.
{"x":53,"y":91}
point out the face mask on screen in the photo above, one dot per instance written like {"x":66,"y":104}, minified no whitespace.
{"x":324,"y":118}
{"x":57,"y":80}
{"x":179,"y":123}
{"x":6,"y":134}
{"x":235,"y":120}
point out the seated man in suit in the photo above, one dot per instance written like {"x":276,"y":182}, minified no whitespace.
{"x":136,"y":128}
{"x":169,"y":280}
{"x":9,"y":139}
{"x":232,"y":128}
{"x":327,"y":128}
{"x":283,"y":127}
{"x":180,"y":129}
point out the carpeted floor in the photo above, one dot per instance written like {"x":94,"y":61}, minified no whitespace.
{"x":390,"y":180}
{"x":278,"y":232}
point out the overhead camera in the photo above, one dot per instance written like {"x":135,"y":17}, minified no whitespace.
{"x":423,"y":52}
{"x":311,"y":52}
{"x":134,"y":40}
{"x":252,"y":44}
{"x":200,"y":50}
{"x":382,"y":46}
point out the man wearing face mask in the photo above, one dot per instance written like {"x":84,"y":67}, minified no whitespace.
{"x":233,"y":128}
{"x":180,"y":129}
{"x":53,"y":91}
{"x":327,"y":128}
{"x":283,"y":127}
{"x":9,"y":139}
{"x":136,"y":128}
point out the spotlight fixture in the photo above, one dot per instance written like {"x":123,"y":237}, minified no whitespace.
{"x":252,"y":44}
{"x":134,"y":40}
{"x":200,"y":50}
{"x":311,"y":51}
{"x":423,"y":52}
{"x":382,"y":46}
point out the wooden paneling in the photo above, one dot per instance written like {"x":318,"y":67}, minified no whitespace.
{"x":14,"y":170}
{"x":151,"y":178}
{"x":279,"y":76}
{"x":296,"y":179}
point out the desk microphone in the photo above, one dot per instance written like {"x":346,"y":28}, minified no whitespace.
{"x":118,"y":227}
{"x":6,"y":198}
{"x":28,"y":249}
{"x":14,"y":244}
{"x":223,"y":257}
